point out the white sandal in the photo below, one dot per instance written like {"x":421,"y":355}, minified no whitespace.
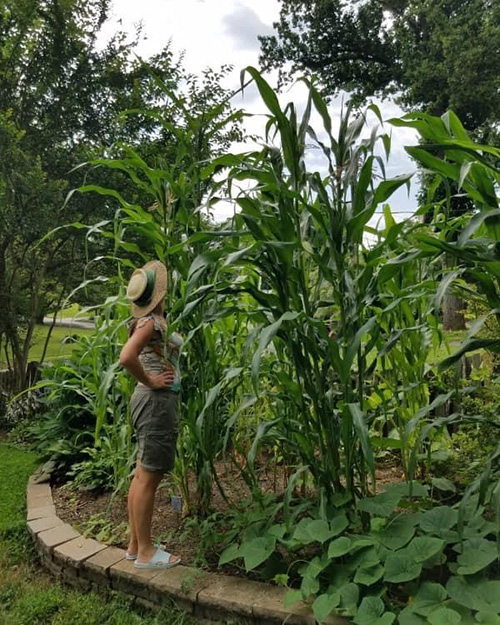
{"x":160,"y":560}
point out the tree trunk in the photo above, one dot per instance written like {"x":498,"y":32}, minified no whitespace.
{"x":453,"y":316}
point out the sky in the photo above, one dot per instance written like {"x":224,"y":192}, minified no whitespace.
{"x":211,"y":33}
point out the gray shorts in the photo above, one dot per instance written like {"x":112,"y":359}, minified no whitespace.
{"x":154,"y":415}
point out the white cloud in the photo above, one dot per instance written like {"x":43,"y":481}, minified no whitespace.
{"x":244,"y":25}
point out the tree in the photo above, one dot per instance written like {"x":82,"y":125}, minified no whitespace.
{"x":431,"y":54}
{"x":65,"y":102}
{"x":60,"y":100}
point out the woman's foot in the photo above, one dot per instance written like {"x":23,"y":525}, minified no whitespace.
{"x":155,"y":558}
{"x":131,"y":550}
{"x":146,"y":555}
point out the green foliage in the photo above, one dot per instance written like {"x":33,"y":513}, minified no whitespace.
{"x":61,"y":102}
{"x":286,"y":310}
{"x":300,"y":249}
{"x":327,"y":568}
{"x":420,"y":48}
{"x":85,"y":430}
{"x":103,"y":530}
{"x":200,"y":122}
{"x":473,"y":442}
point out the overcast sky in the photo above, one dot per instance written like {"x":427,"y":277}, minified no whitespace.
{"x":211,"y":33}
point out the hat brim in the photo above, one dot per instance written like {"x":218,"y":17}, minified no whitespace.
{"x":159,"y":291}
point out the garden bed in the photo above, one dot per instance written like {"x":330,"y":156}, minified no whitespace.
{"x":89,"y":512}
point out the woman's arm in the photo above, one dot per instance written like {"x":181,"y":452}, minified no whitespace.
{"x":129,"y":358}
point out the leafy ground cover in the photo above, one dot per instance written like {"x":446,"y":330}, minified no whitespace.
{"x":412,"y":545}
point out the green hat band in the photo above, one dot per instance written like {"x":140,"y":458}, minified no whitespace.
{"x":148,"y":291}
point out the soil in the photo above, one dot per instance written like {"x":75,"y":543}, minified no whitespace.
{"x":175,"y":530}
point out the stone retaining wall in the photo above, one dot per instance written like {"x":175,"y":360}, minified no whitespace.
{"x":87,"y":564}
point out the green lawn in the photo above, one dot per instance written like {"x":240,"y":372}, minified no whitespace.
{"x":453,"y":340}
{"x":57,"y":347}
{"x":29,"y":596}
{"x":70,"y":312}
{"x":15,"y":468}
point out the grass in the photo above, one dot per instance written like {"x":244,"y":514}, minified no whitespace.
{"x":15,"y":468}
{"x":29,"y":596}
{"x":452,"y":341}
{"x":70,"y":312}
{"x":57,"y":348}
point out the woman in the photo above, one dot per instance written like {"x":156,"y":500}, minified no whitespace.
{"x":152,"y":358}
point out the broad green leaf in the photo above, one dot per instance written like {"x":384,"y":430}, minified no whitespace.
{"x":398,"y":532}
{"x":488,"y":619}
{"x":429,"y":597}
{"x":359,"y":542}
{"x":309,"y":586}
{"x":277,"y":530}
{"x":368,"y":575}
{"x":370,"y":556}
{"x":229,"y":554}
{"x":339,"y":547}
{"x":408,"y":617}
{"x":320,"y":530}
{"x":477,"y":554}
{"x":444,"y":616}
{"x":423,"y":548}
{"x":380,"y":505}
{"x":309,"y":531}
{"x":349,"y":597}
{"x":370,"y":608}
{"x":467,"y":616}
{"x":339,"y":524}
{"x":324,"y":605}
{"x":481,"y":595}
{"x":316,"y":566}
{"x":291,"y":597}
{"x":438,"y":520}
{"x":257,"y":551}
{"x":441,"y":483}
{"x":371,"y":612}
{"x":399,"y":568}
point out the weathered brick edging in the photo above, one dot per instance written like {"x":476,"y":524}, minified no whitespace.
{"x":87,"y":564}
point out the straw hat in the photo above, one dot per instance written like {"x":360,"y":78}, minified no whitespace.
{"x":147,"y":288}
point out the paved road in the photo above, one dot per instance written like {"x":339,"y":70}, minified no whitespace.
{"x":70,"y":322}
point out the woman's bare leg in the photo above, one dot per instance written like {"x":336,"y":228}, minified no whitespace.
{"x":132,"y":545}
{"x":142,"y":507}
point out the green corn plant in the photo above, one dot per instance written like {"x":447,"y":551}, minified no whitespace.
{"x":301,"y":244}
{"x":451,"y":155}
{"x":169,"y":219}
{"x":409,"y":332}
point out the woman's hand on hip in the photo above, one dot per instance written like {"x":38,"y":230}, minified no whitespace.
{"x":161,"y":380}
